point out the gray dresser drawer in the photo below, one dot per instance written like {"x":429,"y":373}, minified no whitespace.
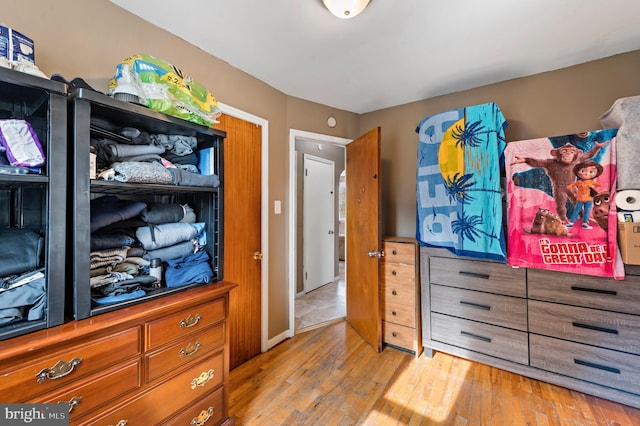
{"x":592,"y":327}
{"x":603,"y":366}
{"x":505,"y":311}
{"x":478,"y":275}
{"x":478,"y":337}
{"x":587,"y":291}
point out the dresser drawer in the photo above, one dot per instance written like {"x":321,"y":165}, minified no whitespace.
{"x":398,"y":335}
{"x":399,"y":305}
{"x":152,"y":407}
{"x":399,"y":274}
{"x":399,"y":252}
{"x":505,"y":311}
{"x":500,"y":342}
{"x":587,"y":291}
{"x":97,"y":390}
{"x":183,"y":351}
{"x":603,"y":366}
{"x":25,"y":380}
{"x":593,"y":327}
{"x":206,"y":412}
{"x":183,"y":323}
{"x":477,"y":275}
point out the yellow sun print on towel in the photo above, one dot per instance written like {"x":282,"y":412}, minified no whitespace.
{"x":451,"y":154}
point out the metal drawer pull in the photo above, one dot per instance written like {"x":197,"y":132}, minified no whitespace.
{"x":595,"y":328}
{"x":202,"y":417}
{"x":476,"y":336}
{"x":594,"y":290}
{"x":476,"y":305}
{"x":190,"y":321}
{"x":190,"y":349}
{"x":203,"y":378}
{"x":394,"y":273}
{"x":598,"y":366}
{"x":73,"y":402}
{"x":394,"y":313}
{"x":474,"y":275}
{"x":394,"y":334}
{"x":394,"y":252}
{"x":58,"y":371}
{"x":122,"y":423}
{"x":395,"y":293}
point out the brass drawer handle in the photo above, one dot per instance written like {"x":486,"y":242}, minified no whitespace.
{"x":597,"y":366}
{"x":202,"y":418}
{"x":476,"y":336}
{"x":474,"y":275}
{"x":203,"y":378}
{"x":476,"y":305}
{"x":122,"y":423}
{"x":73,"y":402}
{"x":190,"y":321}
{"x":58,"y":371}
{"x":190,"y":349}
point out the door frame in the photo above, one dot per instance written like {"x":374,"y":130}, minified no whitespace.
{"x":295,"y":135}
{"x":264,"y":217}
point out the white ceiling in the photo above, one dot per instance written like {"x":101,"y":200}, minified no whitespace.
{"x":396,"y":51}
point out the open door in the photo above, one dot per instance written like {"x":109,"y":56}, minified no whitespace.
{"x":364,"y":246}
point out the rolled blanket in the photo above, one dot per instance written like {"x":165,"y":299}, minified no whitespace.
{"x":167,"y":213}
{"x":164,"y":235}
{"x":185,"y":178}
{"x":142,"y":172}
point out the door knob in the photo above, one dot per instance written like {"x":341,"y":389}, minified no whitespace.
{"x":257,"y":255}
{"x":375,"y":253}
{"x":330,"y":231}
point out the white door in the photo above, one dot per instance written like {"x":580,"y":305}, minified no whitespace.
{"x":319,"y":222}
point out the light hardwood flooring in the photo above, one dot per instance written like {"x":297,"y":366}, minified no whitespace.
{"x":330,"y":376}
{"x":322,"y":305}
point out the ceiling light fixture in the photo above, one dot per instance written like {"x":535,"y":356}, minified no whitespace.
{"x":345,"y":8}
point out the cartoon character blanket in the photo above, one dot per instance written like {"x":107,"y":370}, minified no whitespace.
{"x":459,"y":205}
{"x":560,"y":197}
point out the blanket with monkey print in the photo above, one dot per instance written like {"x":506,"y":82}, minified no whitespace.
{"x":560,"y":204}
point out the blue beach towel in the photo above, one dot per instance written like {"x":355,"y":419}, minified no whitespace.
{"x":459,"y":201}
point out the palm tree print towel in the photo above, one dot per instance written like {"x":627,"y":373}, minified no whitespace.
{"x":459,"y":202}
{"x":552,"y":224}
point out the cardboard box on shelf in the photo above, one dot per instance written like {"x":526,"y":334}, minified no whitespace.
{"x":629,"y":242}
{"x":16,"y":46}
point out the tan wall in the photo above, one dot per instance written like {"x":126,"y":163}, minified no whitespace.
{"x":565,"y":101}
{"x":88,"y":38}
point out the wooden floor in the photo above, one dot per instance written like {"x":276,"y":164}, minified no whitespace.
{"x":329,"y":376}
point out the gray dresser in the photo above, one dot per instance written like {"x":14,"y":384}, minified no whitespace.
{"x":576,"y":331}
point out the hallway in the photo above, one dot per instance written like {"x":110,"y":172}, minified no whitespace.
{"x":322,"y":305}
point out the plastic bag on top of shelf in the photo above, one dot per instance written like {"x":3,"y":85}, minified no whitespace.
{"x":163,"y":87}
{"x":21,"y":143}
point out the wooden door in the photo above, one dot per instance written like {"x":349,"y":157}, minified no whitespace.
{"x":363,"y":237}
{"x":242,"y":235}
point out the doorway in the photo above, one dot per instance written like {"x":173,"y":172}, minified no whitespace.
{"x":329,"y":298}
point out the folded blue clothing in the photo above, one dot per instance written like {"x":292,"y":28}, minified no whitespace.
{"x":153,"y":237}
{"x":108,"y":300}
{"x":190,"y":269}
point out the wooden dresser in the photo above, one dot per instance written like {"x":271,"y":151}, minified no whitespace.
{"x":165,"y":361}
{"x":401,"y":294}
{"x":576,"y":331}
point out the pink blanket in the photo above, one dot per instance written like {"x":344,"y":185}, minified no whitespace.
{"x":560,"y":200}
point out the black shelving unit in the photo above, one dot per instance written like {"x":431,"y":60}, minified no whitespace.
{"x":92,"y":115}
{"x":36,"y":202}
